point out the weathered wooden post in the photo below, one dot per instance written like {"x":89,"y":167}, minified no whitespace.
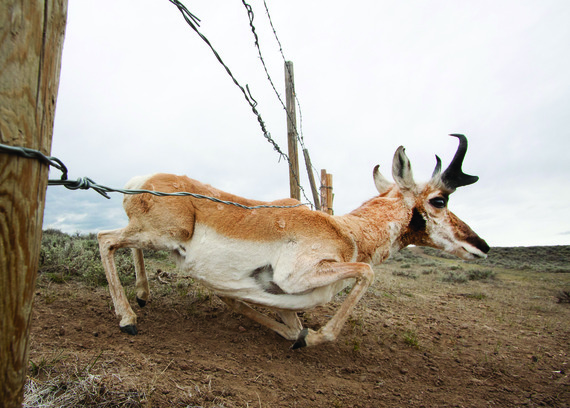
{"x":31,"y":43}
{"x":312,"y":179}
{"x":294,"y":180}
{"x":326,"y":192}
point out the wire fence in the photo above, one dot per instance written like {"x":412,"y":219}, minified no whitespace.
{"x":193,"y":22}
{"x":85,"y":183}
{"x":298,"y":133}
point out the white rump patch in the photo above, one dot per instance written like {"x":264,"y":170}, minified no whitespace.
{"x":137,"y":182}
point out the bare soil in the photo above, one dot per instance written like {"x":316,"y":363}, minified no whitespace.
{"x":413,"y":341}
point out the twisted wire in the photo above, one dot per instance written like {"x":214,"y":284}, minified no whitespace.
{"x":85,"y":183}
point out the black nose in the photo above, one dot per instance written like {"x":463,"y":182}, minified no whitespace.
{"x":483,"y":246}
{"x":480,"y":244}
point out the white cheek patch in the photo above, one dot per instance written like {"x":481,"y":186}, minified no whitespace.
{"x":443,"y":236}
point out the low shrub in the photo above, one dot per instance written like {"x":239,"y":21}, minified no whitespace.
{"x":452,"y":276}
{"x":64,"y":257}
{"x":480,"y":274}
{"x":405,"y":274}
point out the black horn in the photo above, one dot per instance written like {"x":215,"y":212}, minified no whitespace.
{"x":453,"y":176}
{"x":437,"y":169}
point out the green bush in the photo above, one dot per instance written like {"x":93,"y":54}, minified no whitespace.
{"x":452,"y":276}
{"x":405,"y":274}
{"x":458,"y":275}
{"x":480,"y":274}
{"x":411,"y":339}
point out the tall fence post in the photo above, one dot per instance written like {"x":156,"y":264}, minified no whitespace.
{"x":326,"y":192}
{"x":31,"y":43}
{"x":294,"y":179}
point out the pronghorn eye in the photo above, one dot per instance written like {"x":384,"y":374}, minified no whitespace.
{"x":438,"y":202}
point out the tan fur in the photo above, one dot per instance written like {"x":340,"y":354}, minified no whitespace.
{"x":264,"y":224}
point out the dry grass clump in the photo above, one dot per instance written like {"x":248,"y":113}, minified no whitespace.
{"x":77,"y":390}
{"x":458,"y":275}
{"x":563,"y":296}
{"x":55,"y":381}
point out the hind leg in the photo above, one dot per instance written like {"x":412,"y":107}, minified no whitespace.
{"x":290,"y":330}
{"x":142,"y":289}
{"x":291,"y":319}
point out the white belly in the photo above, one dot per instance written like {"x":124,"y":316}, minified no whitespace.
{"x":227,"y":266}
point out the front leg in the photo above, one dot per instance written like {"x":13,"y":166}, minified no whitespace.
{"x":109,"y":242}
{"x":329,"y":273}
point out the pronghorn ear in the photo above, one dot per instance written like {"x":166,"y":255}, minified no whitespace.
{"x":382,"y":183}
{"x":402,"y":170}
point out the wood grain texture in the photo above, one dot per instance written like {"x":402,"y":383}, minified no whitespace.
{"x":294,"y":176}
{"x":31,"y":42}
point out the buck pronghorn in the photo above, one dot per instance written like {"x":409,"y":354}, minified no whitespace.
{"x":287,"y":259}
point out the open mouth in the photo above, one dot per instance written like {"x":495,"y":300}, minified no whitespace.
{"x":473,"y":253}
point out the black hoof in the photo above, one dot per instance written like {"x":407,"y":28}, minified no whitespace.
{"x":301,"y":340}
{"x":130,"y":329}
{"x":141,"y":302}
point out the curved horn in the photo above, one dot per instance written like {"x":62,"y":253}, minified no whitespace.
{"x":437,"y":169}
{"x":453,"y":176}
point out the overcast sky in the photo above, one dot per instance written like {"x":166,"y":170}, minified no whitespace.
{"x":140,"y":93}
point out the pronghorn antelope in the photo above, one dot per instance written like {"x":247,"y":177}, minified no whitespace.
{"x":287,"y":259}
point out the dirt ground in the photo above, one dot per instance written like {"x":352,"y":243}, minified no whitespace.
{"x":413,"y":341}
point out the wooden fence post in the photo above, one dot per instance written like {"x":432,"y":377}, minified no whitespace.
{"x":294,"y":178}
{"x":31,"y":43}
{"x":326,"y":192}
{"x":312,"y":179}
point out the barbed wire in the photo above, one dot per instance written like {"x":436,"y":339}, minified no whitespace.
{"x":193,"y":23}
{"x":250,"y":15}
{"x":36,"y":154}
{"x":300,"y":135}
{"x":85,"y":183}
{"x":191,"y":20}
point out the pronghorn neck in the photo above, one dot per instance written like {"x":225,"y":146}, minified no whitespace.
{"x":376,"y":227}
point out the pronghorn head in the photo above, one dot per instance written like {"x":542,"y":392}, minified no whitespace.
{"x":430,"y":221}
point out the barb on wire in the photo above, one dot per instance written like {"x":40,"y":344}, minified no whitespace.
{"x":85,"y":183}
